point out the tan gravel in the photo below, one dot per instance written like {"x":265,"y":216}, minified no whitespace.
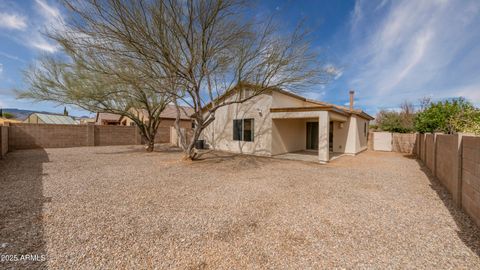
{"x":118,"y":207}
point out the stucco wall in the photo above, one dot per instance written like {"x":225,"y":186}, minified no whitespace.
{"x":219,"y":134}
{"x":471,"y":177}
{"x":362,"y":133}
{"x":340,"y":135}
{"x":352,"y":137}
{"x":288,"y":135}
{"x":3,"y":141}
{"x":280,"y":100}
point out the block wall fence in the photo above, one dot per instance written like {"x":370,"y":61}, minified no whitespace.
{"x":452,"y":159}
{"x":3,"y":141}
{"x":17,"y":136}
{"x":455,"y":161}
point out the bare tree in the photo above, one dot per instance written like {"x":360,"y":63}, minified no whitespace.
{"x":70,"y":83}
{"x":216,"y":53}
{"x":200,"y":51}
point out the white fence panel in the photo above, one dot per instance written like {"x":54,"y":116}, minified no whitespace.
{"x":382,"y":141}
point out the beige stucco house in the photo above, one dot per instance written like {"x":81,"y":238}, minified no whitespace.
{"x":280,"y":122}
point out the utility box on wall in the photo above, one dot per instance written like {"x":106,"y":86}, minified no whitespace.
{"x":382,"y":141}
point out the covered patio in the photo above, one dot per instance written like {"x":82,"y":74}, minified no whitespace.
{"x":317,"y":134}
{"x":307,"y":155}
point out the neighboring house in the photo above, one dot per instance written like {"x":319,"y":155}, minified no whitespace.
{"x":280,"y":122}
{"x":87,"y":121}
{"x":107,"y":119}
{"x":41,"y":118}
{"x":168,"y":117}
{"x":7,"y":120}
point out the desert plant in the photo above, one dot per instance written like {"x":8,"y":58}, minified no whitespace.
{"x":449,"y":116}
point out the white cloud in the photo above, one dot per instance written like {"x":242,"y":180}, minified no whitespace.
{"x":42,"y":44}
{"x":12,"y":21}
{"x":47,"y":10}
{"x":1,"y":69}
{"x":409,"y":49}
{"x":12,"y":57}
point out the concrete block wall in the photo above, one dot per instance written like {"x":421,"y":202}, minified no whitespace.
{"x":114,"y":135}
{"x":3,"y":141}
{"x":403,"y":143}
{"x":163,"y":135}
{"x":471,"y":177}
{"x":28,"y":136}
{"x":447,"y":164}
{"x":455,"y":161}
{"x":430,"y":152}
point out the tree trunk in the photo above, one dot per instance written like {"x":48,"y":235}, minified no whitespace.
{"x":150,"y":145}
{"x":190,"y":152}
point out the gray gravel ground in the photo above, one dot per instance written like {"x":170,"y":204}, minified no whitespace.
{"x":119,"y":207}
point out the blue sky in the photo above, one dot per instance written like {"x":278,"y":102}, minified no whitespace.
{"x":387,"y":51}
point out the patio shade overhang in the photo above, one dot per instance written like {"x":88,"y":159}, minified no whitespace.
{"x":308,"y":112}
{"x":312,"y":111}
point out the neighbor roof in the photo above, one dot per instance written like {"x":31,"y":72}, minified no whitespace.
{"x":170,"y":112}
{"x":55,"y":119}
{"x":107,"y":117}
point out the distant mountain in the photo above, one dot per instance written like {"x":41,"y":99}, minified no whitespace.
{"x":23,"y":114}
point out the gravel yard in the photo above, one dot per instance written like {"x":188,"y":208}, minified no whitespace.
{"x":119,"y":207}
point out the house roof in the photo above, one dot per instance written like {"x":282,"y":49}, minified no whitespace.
{"x":55,"y":119}
{"x":107,"y":117}
{"x":322,"y":105}
{"x":328,"y":106}
{"x":170,"y":112}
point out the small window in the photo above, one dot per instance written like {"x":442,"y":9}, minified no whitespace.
{"x":365,"y":129}
{"x":237,"y":130}
{"x":243,"y":130}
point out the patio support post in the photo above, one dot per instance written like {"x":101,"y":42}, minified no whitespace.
{"x":323,"y":132}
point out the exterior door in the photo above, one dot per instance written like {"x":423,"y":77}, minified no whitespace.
{"x":312,"y":135}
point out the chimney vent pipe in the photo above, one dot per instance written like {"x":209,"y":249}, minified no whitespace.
{"x":352,"y":93}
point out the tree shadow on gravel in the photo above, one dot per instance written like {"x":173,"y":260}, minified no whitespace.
{"x":467,"y":231}
{"x":21,"y":206}
{"x":163,"y":148}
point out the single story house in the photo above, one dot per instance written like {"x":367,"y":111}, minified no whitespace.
{"x":42,"y":118}
{"x":107,"y":119}
{"x":168,"y":117}
{"x":279,"y":122}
